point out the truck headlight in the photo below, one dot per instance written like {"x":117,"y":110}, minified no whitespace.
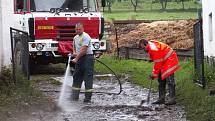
{"x":39,"y":46}
{"x":96,"y":45}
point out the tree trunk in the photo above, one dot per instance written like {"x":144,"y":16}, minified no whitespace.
{"x":134,"y":3}
{"x":109,"y":6}
{"x":177,"y":1}
{"x":163,"y":4}
{"x":182,"y":1}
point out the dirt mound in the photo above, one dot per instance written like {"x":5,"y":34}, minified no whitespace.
{"x":178,"y":34}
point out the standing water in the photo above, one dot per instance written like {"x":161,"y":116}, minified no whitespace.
{"x":63,"y":88}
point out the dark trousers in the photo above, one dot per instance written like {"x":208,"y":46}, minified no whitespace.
{"x":83,"y":72}
{"x":162,"y":86}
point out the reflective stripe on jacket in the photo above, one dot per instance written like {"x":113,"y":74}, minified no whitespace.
{"x":164,"y":57}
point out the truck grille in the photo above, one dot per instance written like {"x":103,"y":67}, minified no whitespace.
{"x":65,"y":33}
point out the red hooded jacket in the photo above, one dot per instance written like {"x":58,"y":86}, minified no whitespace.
{"x":164,"y":57}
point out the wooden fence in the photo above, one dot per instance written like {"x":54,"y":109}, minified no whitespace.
{"x":136,"y":53}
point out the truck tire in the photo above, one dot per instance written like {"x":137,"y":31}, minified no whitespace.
{"x":31,"y":67}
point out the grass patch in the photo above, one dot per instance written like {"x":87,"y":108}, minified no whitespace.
{"x":149,"y":15}
{"x":14,"y":95}
{"x":147,"y":11}
{"x":134,"y":68}
{"x":199,"y":105}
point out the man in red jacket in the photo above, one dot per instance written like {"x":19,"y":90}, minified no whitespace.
{"x":165,"y":64}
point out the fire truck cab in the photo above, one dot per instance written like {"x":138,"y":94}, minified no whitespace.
{"x":51,"y":23}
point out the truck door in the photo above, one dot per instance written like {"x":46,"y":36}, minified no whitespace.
{"x":21,"y":6}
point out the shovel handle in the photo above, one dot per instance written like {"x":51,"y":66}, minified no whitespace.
{"x":149,"y":93}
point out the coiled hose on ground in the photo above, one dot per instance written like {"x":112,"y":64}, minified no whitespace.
{"x":120,"y":84}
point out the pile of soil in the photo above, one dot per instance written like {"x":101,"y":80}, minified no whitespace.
{"x":178,"y":34}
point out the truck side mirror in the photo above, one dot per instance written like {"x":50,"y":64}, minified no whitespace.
{"x":103,"y":3}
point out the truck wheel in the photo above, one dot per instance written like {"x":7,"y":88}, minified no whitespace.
{"x":31,"y":67}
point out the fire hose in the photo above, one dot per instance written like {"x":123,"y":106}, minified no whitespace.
{"x":119,"y":82}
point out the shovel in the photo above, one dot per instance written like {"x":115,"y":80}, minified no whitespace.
{"x":148,"y":96}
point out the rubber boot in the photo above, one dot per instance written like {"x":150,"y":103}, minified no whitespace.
{"x":75,"y":95}
{"x":162,"y":92}
{"x":171,"y":90}
{"x":88,"y":91}
{"x":171,"y":100}
{"x":161,"y":99}
{"x":88,"y":96}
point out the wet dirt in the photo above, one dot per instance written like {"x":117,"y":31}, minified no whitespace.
{"x":104,"y":107}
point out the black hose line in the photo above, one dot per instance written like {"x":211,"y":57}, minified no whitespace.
{"x":120,"y":84}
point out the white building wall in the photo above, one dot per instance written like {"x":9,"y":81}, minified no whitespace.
{"x":6,"y":21}
{"x":209,"y":44}
{"x":1,"y":42}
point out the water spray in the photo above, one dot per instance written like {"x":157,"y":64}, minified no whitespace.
{"x":62,"y":93}
{"x":63,"y":89}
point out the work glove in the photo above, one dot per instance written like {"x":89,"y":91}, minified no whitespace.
{"x":151,"y":77}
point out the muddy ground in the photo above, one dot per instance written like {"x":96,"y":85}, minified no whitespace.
{"x":104,"y":107}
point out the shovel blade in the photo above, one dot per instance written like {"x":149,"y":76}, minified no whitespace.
{"x":142,"y":101}
{"x":148,"y":99}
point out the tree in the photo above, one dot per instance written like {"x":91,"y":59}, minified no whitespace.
{"x":134,"y":3}
{"x":109,"y":4}
{"x":182,"y":1}
{"x":163,"y":4}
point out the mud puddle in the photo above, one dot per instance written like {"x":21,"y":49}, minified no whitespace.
{"x":104,"y":107}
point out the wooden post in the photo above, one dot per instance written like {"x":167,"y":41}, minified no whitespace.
{"x":117,"y":43}
{"x":127,"y":52}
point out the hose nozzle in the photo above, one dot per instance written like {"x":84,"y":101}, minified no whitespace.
{"x":69,"y":55}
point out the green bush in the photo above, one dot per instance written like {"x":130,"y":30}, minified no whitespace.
{"x":6,"y":81}
{"x":11,"y":92}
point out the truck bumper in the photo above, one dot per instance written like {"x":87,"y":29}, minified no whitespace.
{"x":46,"y":57}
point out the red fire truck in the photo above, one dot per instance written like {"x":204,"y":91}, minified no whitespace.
{"x":51,"y":26}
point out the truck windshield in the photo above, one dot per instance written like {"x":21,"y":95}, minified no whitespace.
{"x":66,"y":5}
